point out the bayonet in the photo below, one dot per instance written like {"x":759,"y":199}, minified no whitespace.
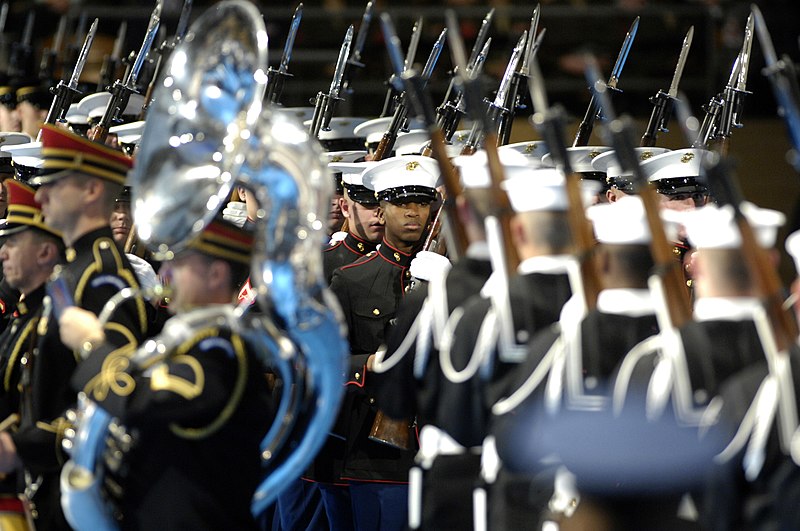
{"x":593,"y":111}
{"x":411,"y":53}
{"x":27,"y":33}
{"x":735,"y":90}
{"x":108,"y":72}
{"x":676,"y":77}
{"x":395,"y":86}
{"x":119,"y":42}
{"x":511,"y":68}
{"x":283,"y":68}
{"x":530,"y":44}
{"x":60,"y":32}
{"x":83,"y":56}
{"x":783,"y":79}
{"x":325,"y":103}
{"x":483,"y":34}
{"x":433,"y":57}
{"x":361,"y":36}
{"x":65,"y":93}
{"x":663,"y":101}
{"x":475,"y":71}
{"x":47,"y":65}
{"x":122,"y":89}
{"x":3,"y":17}
{"x":183,"y":21}
{"x":338,"y":74}
{"x":623,"y":55}
{"x":20,"y":63}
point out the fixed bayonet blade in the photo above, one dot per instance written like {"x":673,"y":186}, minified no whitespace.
{"x":183,"y":21}
{"x":764,"y":38}
{"x":537,"y":89}
{"x":152,"y":30}
{"x":338,"y":73}
{"x":363,"y":31}
{"x":287,"y":48}
{"x":530,"y":49}
{"x":676,"y":77}
{"x":393,"y":46}
{"x":474,"y":71}
{"x":623,"y":54}
{"x":82,"y":56}
{"x":600,"y":89}
{"x":411,"y":53}
{"x":483,"y":33}
{"x":744,"y":55}
{"x":27,"y":33}
{"x":433,"y":58}
{"x":508,"y":75}
{"x":457,"y":45}
{"x":116,"y":53}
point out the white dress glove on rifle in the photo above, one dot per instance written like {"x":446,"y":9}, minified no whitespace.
{"x":427,"y":265}
{"x":236,"y":213}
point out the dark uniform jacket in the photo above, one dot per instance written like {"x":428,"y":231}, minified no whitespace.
{"x":344,"y":252}
{"x":447,"y":502}
{"x":96,"y":270}
{"x":197,"y":419}
{"x":369,"y":292}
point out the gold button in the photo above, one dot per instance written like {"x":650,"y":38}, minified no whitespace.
{"x":360,"y":246}
{"x":71,"y":254}
{"x":371,"y":400}
{"x":397,"y":256}
{"x":358,"y":375}
{"x":376,"y":311}
{"x":104,"y":245}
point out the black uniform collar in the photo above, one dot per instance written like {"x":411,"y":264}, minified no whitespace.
{"x":394,"y":256}
{"x":32,"y":301}
{"x":85,"y":243}
{"x":357,"y":245}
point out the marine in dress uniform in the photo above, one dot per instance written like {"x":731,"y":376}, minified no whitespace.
{"x":370,"y":291}
{"x":360,"y":210}
{"x":30,"y":251}
{"x":197,"y":416}
{"x":77,"y":198}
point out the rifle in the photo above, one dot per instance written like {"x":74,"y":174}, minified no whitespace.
{"x":783,"y":79}
{"x":358,"y":48}
{"x":325,"y":104}
{"x":122,"y":89}
{"x":393,"y":95}
{"x":277,"y":78}
{"x":482,"y":128}
{"x":400,"y":116}
{"x":419,"y":100}
{"x":47,"y":66}
{"x":502,"y":208}
{"x":65,"y":93}
{"x":111,"y":62}
{"x":164,"y":52}
{"x":735,"y":91}
{"x":520,"y":77}
{"x":446,"y":116}
{"x":621,"y":136}
{"x":550,"y":122}
{"x":594,"y":109}
{"x":663,"y":101}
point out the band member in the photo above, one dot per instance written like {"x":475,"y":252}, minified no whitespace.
{"x":77,"y":199}
{"x":199,"y":414}
{"x":29,"y":253}
{"x":369,"y":291}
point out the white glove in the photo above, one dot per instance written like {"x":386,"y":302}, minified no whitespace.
{"x":236,"y":213}
{"x":427,"y":265}
{"x":336,"y":237}
{"x":144,"y":272}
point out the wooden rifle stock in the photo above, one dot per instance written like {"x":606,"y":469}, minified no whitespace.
{"x":502,"y":204}
{"x":384,"y":146}
{"x":583,"y":236}
{"x":389,"y":431}
{"x":452,"y":186}
{"x":676,"y":295}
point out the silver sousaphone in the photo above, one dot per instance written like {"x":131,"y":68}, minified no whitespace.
{"x":205,"y":131}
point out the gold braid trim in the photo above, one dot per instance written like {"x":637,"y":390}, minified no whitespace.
{"x":12,"y":359}
{"x":233,"y":401}
{"x":113,"y":376}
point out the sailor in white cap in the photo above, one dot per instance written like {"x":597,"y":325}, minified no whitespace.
{"x":534,"y":150}
{"x":373,"y":130}
{"x":369,"y":292}
{"x":676,"y":175}
{"x":580,"y":159}
{"x":342,"y":135}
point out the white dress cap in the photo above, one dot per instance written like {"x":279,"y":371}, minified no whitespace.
{"x":340,"y":127}
{"x":536,"y":190}
{"x":390,"y":178}
{"x":474,"y":169}
{"x":345,"y":156}
{"x":301,"y":114}
{"x":95,"y":104}
{"x":351,"y":171}
{"x":128,"y":133}
{"x":580,"y":158}
{"x":621,"y":222}
{"x":75,"y":115}
{"x":374,"y":129}
{"x":607,"y":162}
{"x":793,"y":248}
{"x":411,"y":143}
{"x":534,"y":150}
{"x":28,"y":154}
{"x":713,"y":227}
{"x":13,"y":139}
{"x":674,"y":164}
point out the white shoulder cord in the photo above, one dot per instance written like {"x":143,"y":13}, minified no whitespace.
{"x":643,"y":348}
{"x":487,"y":337}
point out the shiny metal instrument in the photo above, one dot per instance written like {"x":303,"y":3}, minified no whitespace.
{"x":205,"y":132}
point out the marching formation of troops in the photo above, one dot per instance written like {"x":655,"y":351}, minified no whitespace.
{"x":539,"y":336}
